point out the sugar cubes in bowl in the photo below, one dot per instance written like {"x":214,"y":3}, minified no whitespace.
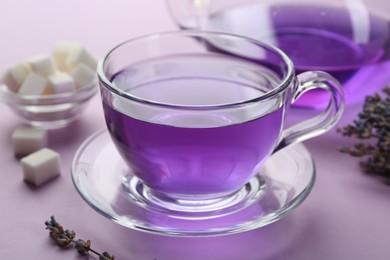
{"x":51,"y":90}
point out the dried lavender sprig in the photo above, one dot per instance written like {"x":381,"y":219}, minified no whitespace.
{"x":64,"y":238}
{"x":372,"y":125}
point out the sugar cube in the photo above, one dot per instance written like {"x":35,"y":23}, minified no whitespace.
{"x":34,"y":84}
{"x":61,"y":51}
{"x":27,"y":140}
{"x":41,"y":166}
{"x":61,"y":82}
{"x":42,"y":64}
{"x":83,"y":75}
{"x":15,"y":76}
{"x":80,"y":56}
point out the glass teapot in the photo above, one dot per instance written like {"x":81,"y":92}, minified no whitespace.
{"x":348,"y":38}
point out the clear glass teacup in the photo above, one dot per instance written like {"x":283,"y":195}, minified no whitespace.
{"x":195,"y":115}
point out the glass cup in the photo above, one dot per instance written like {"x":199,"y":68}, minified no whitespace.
{"x":346,"y":38}
{"x":196,"y":114}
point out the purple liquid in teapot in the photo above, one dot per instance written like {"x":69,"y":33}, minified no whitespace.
{"x":353,"y":45}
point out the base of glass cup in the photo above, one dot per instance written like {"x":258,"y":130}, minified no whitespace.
{"x":192,"y":206}
{"x":104,"y":181}
{"x":51,"y":125}
{"x":50,"y":120}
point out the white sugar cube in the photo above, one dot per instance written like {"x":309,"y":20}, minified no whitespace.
{"x":34,"y":84}
{"x":61,"y":51}
{"x":83,"y":75}
{"x":79,"y":56}
{"x":42,"y":64}
{"x":15,"y":76}
{"x":61,"y":82}
{"x":41,"y":166}
{"x":27,"y":140}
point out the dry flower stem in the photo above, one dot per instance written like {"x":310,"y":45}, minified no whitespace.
{"x":373,"y":127}
{"x":64,"y":238}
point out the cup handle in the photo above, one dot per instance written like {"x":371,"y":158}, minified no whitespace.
{"x":322,"y":122}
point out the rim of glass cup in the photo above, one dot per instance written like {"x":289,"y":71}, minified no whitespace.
{"x":285,"y":82}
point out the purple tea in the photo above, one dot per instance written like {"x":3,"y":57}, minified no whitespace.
{"x":351,"y":45}
{"x":190,"y":152}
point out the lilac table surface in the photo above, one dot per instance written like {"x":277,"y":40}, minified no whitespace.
{"x":347,"y":215}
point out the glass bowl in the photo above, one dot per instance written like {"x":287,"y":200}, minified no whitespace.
{"x":49,"y":111}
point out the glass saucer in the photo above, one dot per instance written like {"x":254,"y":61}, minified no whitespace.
{"x":102,"y":179}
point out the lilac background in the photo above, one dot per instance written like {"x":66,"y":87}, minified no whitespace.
{"x":347,"y":215}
